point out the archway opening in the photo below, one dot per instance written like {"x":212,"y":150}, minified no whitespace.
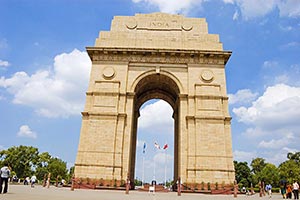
{"x":155,"y":143}
{"x":154,"y":87}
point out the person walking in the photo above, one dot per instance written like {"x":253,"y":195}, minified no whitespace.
{"x":5,"y":173}
{"x":289,"y":191}
{"x":296,"y":190}
{"x":269,"y":190}
{"x":33,"y":180}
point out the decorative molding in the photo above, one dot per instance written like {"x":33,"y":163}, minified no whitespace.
{"x":158,"y":56}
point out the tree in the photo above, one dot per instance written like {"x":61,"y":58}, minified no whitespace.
{"x":289,"y":171}
{"x":70,"y":174}
{"x":243,"y":173}
{"x":257,"y":165}
{"x":294,"y":156}
{"x":43,"y":161}
{"x":269,"y":174}
{"x":21,"y":159}
{"x":57,"y":167}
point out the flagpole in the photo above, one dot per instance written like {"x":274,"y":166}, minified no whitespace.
{"x":143,"y":175}
{"x":156,"y":145}
{"x":165,"y":168}
{"x":154,"y":169}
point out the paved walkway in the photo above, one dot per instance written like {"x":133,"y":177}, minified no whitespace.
{"x":21,"y":192}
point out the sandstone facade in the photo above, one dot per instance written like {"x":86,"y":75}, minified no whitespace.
{"x":164,"y":56}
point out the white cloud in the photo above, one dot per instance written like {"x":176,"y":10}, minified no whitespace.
{"x":229,"y":1}
{"x":270,"y":64}
{"x":278,"y":107}
{"x":25,"y":131}
{"x":172,"y":6}
{"x":242,"y":96}
{"x":235,"y":15}
{"x":4,"y":63}
{"x":277,"y":143}
{"x":289,"y":8}
{"x":160,"y":158}
{"x":57,"y":92}
{"x":254,"y":133}
{"x":242,"y":156}
{"x":293,"y":44}
{"x":273,"y":123}
{"x":249,"y":9}
{"x":255,"y":8}
{"x":156,"y":116}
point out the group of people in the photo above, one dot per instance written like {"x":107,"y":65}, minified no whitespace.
{"x":4,"y":177}
{"x":287,"y":190}
{"x":31,"y":180}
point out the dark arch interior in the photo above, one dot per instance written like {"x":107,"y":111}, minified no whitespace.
{"x":155,"y":86}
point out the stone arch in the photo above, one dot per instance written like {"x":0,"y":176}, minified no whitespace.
{"x":150,"y":57}
{"x":155,"y":86}
{"x":163,"y":72}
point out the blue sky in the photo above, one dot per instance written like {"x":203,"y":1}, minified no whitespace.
{"x":44,"y":72}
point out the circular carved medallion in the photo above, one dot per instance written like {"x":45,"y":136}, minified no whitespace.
{"x":207,"y":75}
{"x":187,"y":26}
{"x":108,"y":72}
{"x":131,"y":25}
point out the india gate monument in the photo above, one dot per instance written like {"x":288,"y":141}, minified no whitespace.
{"x":157,"y":56}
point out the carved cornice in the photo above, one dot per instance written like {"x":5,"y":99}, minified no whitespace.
{"x":169,"y":56}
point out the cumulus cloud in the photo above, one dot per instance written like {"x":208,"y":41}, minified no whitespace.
{"x":157,"y":116}
{"x":4,"y":63}
{"x":272,"y":122}
{"x":25,"y":131}
{"x":255,"y":8}
{"x":172,"y":6}
{"x":249,"y":9}
{"x":278,"y":106}
{"x":289,"y":8}
{"x":242,"y":156}
{"x":242,"y":96}
{"x":56,"y":92}
{"x":277,"y":143}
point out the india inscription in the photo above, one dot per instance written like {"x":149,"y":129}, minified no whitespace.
{"x":164,"y":56}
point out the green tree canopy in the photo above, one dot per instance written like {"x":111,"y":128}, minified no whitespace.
{"x":21,"y":159}
{"x":57,"y":167}
{"x":257,"y":165}
{"x":294,"y":156}
{"x":289,"y":171}
{"x":26,"y":161}
{"x":269,"y":174}
{"x":243,"y":173}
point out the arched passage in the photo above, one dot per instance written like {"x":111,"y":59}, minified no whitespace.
{"x":155,"y":86}
{"x":163,"y":59}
